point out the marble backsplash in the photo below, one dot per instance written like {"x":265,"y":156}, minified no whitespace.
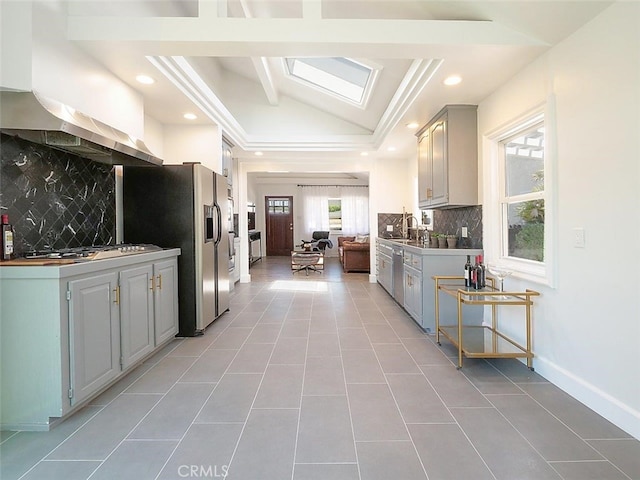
{"x":451,"y":221}
{"x":55,"y":199}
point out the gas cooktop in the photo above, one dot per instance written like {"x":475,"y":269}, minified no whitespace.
{"x":94,"y":252}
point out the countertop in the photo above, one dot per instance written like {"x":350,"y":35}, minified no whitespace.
{"x":417,"y":247}
{"x":58,"y":268}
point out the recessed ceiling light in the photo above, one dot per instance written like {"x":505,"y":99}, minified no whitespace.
{"x":364,"y":154}
{"x":453,"y":80}
{"x":189,"y":116}
{"x":391,"y":149}
{"x":413,"y":125}
{"x":258,"y":154}
{"x":145,"y":79}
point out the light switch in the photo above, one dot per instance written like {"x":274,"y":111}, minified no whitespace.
{"x":578,"y":237}
{"x":389,"y":228}
{"x":465,"y":233}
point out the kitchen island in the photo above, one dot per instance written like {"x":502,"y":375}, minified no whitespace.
{"x":405,"y":269}
{"x":70,"y":330}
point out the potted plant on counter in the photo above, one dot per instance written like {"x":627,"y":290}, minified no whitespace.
{"x":442,"y":240}
{"x":452,"y":241}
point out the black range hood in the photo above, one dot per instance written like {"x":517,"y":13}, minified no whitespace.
{"x":43,"y":120}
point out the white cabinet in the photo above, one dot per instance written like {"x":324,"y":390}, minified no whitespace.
{"x":165,"y":300}
{"x":227,"y":161}
{"x":448,"y":158}
{"x":94,"y":334}
{"x":136,"y":314}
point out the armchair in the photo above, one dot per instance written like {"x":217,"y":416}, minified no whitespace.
{"x":320,"y":241}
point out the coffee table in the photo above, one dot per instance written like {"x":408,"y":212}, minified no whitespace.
{"x":307,"y":260}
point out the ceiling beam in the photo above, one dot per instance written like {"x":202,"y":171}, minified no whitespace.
{"x":212,"y":35}
{"x":266,"y":79}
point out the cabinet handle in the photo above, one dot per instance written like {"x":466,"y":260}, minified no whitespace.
{"x":159,"y":282}
{"x":429,"y":193}
{"x":116,"y":291}
{"x":153,"y":283}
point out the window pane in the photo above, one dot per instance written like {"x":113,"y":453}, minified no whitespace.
{"x":524,"y":162}
{"x":526,"y":230}
{"x":335,"y":214}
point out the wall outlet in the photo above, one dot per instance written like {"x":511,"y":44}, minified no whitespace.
{"x":578,"y":237}
{"x":465,"y":232}
{"x":389,"y":228}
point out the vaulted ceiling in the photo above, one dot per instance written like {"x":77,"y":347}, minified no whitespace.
{"x":223,"y":61}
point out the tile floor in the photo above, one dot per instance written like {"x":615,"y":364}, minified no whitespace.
{"x":323,"y":377}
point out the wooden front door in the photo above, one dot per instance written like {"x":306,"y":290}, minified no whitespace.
{"x":279,"y":225}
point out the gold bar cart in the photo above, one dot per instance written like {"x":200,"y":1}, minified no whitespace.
{"x":483,"y":341}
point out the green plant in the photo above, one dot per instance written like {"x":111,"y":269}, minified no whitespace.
{"x":529,"y":240}
{"x":334,"y":208}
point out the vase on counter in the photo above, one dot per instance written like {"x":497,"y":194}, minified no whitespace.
{"x":433,"y":242}
{"x":452,"y":241}
{"x":442,"y":242}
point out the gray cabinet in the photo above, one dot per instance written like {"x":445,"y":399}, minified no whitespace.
{"x":413,"y":293}
{"x":136,"y":314}
{"x":165,"y":300}
{"x":448,"y":158}
{"x":418,"y":287}
{"x":94,"y":334}
{"x":385,"y":271}
{"x":64,"y":331}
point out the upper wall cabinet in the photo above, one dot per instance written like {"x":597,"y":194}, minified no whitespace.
{"x":227,"y":160}
{"x":448,"y":158}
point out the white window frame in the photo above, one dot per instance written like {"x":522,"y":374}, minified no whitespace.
{"x":495,"y":224}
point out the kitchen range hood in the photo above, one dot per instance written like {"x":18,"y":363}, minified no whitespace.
{"x":42,"y":120}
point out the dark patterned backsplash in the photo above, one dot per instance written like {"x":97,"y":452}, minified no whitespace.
{"x":452,"y":220}
{"x":55,"y":199}
{"x":448,"y":221}
{"x":395,"y":220}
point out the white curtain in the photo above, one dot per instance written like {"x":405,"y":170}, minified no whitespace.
{"x":355,"y":210}
{"x":316,"y":209}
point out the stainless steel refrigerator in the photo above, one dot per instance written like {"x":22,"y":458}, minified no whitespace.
{"x":184,"y":206}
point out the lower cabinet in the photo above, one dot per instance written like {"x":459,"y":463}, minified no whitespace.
{"x":165,"y":300}
{"x":116,"y":320}
{"x":94,"y":334}
{"x":385,"y":272}
{"x":413,"y":293}
{"x":67,"y":332}
{"x":137,"y":330}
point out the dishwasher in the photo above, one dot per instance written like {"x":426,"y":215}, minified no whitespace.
{"x":398,"y":274}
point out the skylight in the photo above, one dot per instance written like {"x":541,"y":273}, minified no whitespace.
{"x":342,"y":77}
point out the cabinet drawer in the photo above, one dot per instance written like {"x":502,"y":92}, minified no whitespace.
{"x":412,"y":260}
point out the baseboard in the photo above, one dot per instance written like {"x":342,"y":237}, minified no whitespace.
{"x":373,"y":278}
{"x":617,"y":412}
{"x":245,"y":278}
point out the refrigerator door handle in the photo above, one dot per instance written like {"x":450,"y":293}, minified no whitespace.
{"x":219,"y":218}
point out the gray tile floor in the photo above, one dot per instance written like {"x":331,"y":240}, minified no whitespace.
{"x":323,"y":377}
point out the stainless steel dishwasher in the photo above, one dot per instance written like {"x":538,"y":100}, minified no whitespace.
{"x":398,"y":274}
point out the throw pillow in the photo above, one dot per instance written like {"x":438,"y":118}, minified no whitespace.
{"x":362,"y":239}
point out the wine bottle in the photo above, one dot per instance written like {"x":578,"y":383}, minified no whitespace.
{"x":476,"y":282}
{"x":7,"y":239}
{"x":482,"y":273}
{"x":467,"y":272}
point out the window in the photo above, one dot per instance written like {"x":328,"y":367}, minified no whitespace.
{"x":341,"y":77}
{"x":278,"y":206}
{"x":523,"y":194}
{"x":335,"y":214}
{"x":518,"y":207}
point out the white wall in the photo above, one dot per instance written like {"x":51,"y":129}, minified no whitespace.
{"x":65,"y":73}
{"x":587,"y":329}
{"x":193,"y":144}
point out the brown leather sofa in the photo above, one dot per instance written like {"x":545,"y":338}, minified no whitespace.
{"x":354,"y":256}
